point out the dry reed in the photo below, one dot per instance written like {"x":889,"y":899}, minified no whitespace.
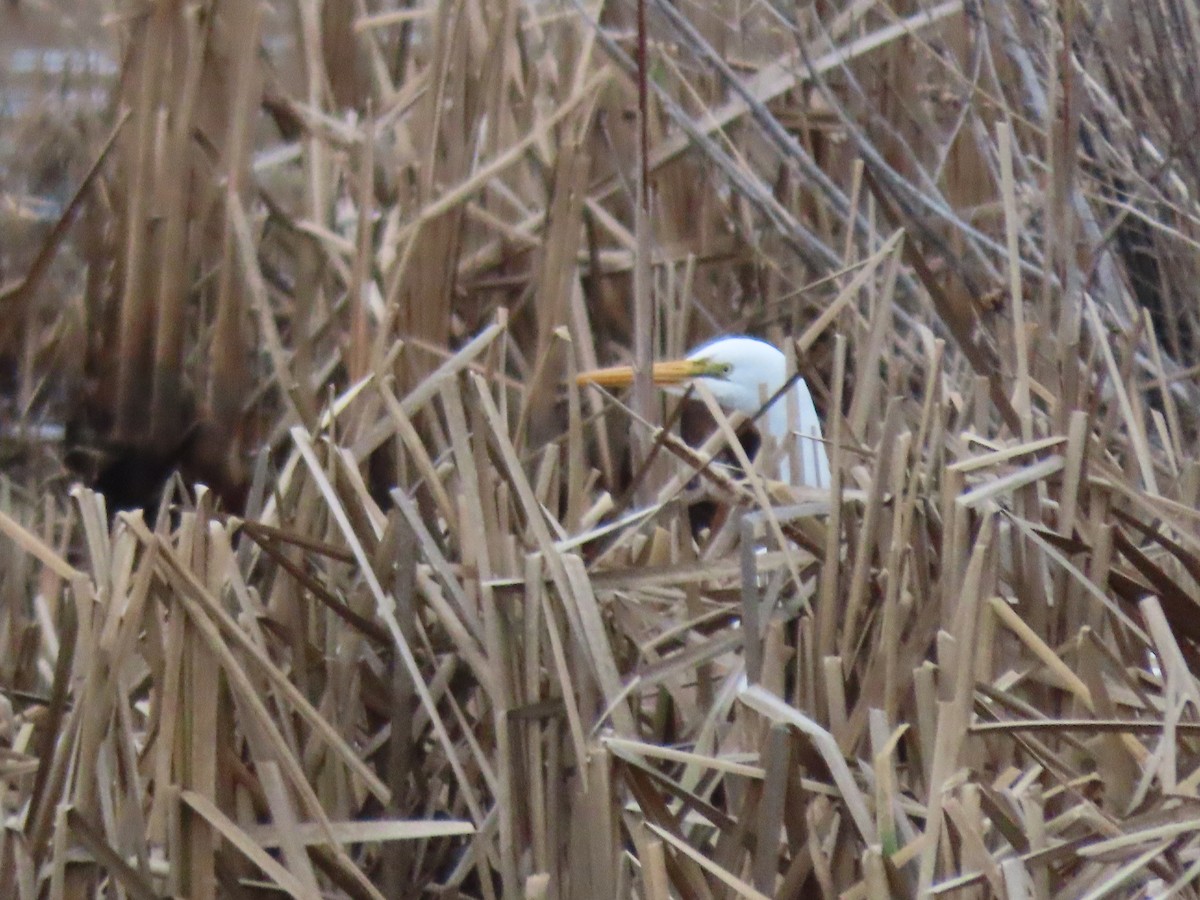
{"x":442,"y":624}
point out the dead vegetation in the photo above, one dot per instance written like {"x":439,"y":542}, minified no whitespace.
{"x":441,"y":624}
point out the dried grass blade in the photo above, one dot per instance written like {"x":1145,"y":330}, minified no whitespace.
{"x":29,"y":542}
{"x":777,"y":710}
{"x":655,"y":751}
{"x":220,"y":622}
{"x":245,"y":844}
{"x":428,"y":388}
{"x":284,"y":814}
{"x":362,"y":832}
{"x":385,"y":610}
{"x":721,"y":874}
{"x":92,"y":838}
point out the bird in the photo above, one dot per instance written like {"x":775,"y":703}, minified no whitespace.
{"x":742,"y":373}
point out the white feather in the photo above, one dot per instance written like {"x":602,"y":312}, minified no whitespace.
{"x":755,"y":372}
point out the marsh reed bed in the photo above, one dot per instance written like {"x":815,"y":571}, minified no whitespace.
{"x":419,"y":617}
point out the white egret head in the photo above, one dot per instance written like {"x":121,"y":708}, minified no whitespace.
{"x":742,"y":373}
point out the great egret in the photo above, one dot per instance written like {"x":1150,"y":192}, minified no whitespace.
{"x":743,"y":372}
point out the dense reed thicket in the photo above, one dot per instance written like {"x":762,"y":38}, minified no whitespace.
{"x":320,"y":575}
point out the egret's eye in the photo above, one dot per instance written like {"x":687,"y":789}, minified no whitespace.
{"x":725,"y":369}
